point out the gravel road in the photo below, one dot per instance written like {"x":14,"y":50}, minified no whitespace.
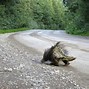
{"x":20,"y":66}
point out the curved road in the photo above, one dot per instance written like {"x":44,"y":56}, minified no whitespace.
{"x":77,"y":46}
{"x":21,"y":53}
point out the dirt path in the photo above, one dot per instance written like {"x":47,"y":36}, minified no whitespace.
{"x":20,"y":66}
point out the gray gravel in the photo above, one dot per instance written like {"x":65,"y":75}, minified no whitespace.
{"x":20,"y":68}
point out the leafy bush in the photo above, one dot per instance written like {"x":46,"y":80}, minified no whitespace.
{"x":76,"y":17}
{"x":45,"y":14}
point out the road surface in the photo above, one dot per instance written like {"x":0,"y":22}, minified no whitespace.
{"x":20,"y":66}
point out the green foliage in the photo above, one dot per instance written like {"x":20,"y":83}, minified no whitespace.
{"x":15,"y":14}
{"x":12,"y":30}
{"x":77,"y":17}
{"x":45,"y":14}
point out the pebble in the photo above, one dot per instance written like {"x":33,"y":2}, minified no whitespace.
{"x":8,"y":69}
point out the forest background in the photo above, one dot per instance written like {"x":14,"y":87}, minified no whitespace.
{"x":69,"y":15}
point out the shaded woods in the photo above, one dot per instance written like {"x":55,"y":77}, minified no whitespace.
{"x":71,"y":15}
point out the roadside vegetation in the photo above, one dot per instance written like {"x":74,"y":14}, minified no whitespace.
{"x":12,"y":30}
{"x":70,"y":15}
